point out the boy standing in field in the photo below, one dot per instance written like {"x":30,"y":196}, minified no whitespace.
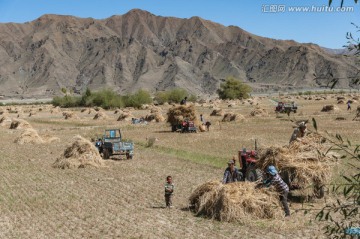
{"x":169,"y":190}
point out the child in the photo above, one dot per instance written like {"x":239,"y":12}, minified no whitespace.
{"x":280,"y":186}
{"x":169,"y":190}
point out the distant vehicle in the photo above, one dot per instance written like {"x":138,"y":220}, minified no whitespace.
{"x":283,"y":107}
{"x":113,"y":144}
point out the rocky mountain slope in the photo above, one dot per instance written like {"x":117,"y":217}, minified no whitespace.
{"x":140,"y":50}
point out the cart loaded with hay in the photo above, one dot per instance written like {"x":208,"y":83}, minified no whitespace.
{"x":306,"y":165}
{"x":183,"y":119}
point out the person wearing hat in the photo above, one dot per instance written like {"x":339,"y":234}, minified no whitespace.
{"x":273,"y":178}
{"x":231,"y":173}
{"x":299,"y":132}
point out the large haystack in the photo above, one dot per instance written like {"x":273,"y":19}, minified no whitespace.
{"x":217,"y":112}
{"x":100,"y":116}
{"x":20,"y":124}
{"x":239,"y":201}
{"x":259,"y":112}
{"x":125,"y":116}
{"x":304,"y":160}
{"x":79,"y":154}
{"x":178,"y":113}
{"x":29,"y":136}
{"x":232,"y":117}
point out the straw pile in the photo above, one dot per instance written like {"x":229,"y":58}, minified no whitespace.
{"x":302,"y":160}
{"x":70,"y":115}
{"x":232,"y":117}
{"x":79,"y":154}
{"x":55,"y":110}
{"x":357,"y":116}
{"x":155,"y":117}
{"x":29,"y":136}
{"x":217,"y":112}
{"x":20,"y":124}
{"x":259,"y":112}
{"x":125,"y":116}
{"x":328,"y":108}
{"x":239,"y":201}
{"x":177,"y":114}
{"x":100,"y":116}
{"x":5,"y":120}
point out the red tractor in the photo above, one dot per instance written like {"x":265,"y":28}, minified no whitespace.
{"x":248,"y":171}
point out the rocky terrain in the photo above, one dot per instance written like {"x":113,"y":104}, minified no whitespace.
{"x":140,"y":50}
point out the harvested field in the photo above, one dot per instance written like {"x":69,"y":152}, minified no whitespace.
{"x":40,"y":201}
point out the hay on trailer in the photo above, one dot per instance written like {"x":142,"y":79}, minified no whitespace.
{"x":125,"y":116}
{"x":29,"y":136}
{"x":328,"y":108}
{"x":80,"y":154}
{"x":70,"y":115}
{"x":305,"y":160}
{"x":217,"y":112}
{"x":259,"y":112}
{"x":239,"y":201}
{"x":179,"y":113}
{"x":20,"y":124}
{"x":232,"y":117}
{"x":100,"y":115}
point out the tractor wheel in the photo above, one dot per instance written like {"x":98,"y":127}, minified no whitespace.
{"x":106,"y":154}
{"x":240,"y":177}
{"x":253,"y":174}
{"x":319,"y":191}
{"x":128,"y":156}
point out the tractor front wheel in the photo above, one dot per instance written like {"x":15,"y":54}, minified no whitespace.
{"x":253,"y":174}
{"x":106,"y":154}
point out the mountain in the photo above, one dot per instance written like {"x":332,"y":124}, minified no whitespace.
{"x":140,"y":50}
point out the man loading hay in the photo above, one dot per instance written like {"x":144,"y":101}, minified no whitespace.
{"x":273,"y":178}
{"x":299,"y":132}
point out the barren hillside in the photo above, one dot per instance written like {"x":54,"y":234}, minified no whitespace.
{"x":140,"y":50}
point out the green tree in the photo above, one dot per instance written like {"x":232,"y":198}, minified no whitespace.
{"x":234,"y":89}
{"x":137,"y":99}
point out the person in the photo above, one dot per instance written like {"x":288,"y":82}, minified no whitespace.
{"x":207,"y":124}
{"x":273,"y":178}
{"x":231,"y":173}
{"x":98,"y":145}
{"x":183,"y":101}
{"x":202,"y":119}
{"x":299,"y":132}
{"x":169,"y":191}
{"x":348,"y":105}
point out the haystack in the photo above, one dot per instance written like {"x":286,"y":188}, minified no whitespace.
{"x":155,"y":117}
{"x":232,"y":117}
{"x":239,"y":201}
{"x":29,"y":136}
{"x":55,"y":110}
{"x":341,"y":102}
{"x":70,"y":115}
{"x":305,"y":161}
{"x":217,"y":112}
{"x":125,"y":116}
{"x":328,"y":108}
{"x":5,"y":120}
{"x":100,"y":116}
{"x":357,"y":116}
{"x":259,"y":112}
{"x":20,"y":124}
{"x":178,"y":113}
{"x":202,"y":128}
{"x":80,"y":154}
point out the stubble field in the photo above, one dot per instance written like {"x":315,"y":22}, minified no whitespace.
{"x":125,"y":199}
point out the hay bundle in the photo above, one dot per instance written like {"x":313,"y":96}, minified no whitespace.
{"x":79,"y":154}
{"x":70,"y":115}
{"x":340,"y":118}
{"x":340,"y":98}
{"x":341,"y":102}
{"x":217,"y":112}
{"x":302,"y":159}
{"x":259,"y":112}
{"x":232,"y":117}
{"x":100,"y":116}
{"x":55,"y":110}
{"x":328,"y":108}
{"x":5,"y":120}
{"x":29,"y":136}
{"x":238,"y":201}
{"x":117,"y":111}
{"x":202,"y":128}
{"x":178,"y":113}
{"x":20,"y":124}
{"x":356,"y":98}
{"x":357,"y":116}
{"x":125,"y":116}
{"x":157,"y":117}
{"x":98,"y":109}
{"x":155,"y":110}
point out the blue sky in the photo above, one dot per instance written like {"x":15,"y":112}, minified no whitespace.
{"x":313,"y":21}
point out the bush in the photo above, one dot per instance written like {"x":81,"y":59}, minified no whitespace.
{"x":139,"y":98}
{"x":66,"y":101}
{"x":173,"y":96}
{"x":234,"y":89}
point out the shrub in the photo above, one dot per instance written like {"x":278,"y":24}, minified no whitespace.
{"x":137,"y":99}
{"x":173,"y":96}
{"x":233,"y":89}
